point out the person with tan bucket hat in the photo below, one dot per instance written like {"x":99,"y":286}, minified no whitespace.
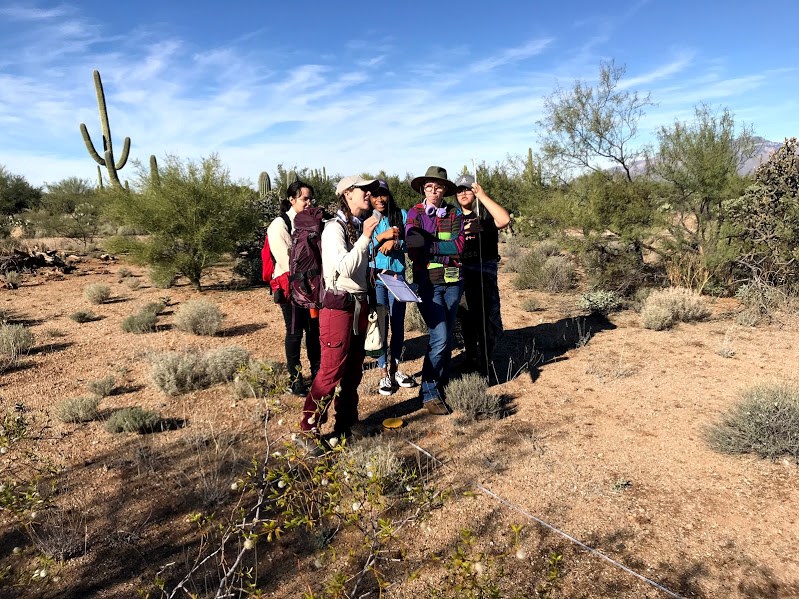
{"x":434,"y":238}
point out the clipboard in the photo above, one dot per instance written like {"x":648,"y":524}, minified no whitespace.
{"x":399,"y":289}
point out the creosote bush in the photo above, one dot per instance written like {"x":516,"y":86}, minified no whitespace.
{"x":133,"y":420}
{"x":82,"y":316}
{"x":765,"y":422}
{"x":77,"y":409}
{"x":469,"y":394}
{"x":199,"y":316}
{"x":260,"y":379}
{"x":664,"y":307}
{"x":97,"y":293}
{"x":182,"y":371}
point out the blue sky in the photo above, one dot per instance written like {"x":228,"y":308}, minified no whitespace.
{"x":364,"y":86}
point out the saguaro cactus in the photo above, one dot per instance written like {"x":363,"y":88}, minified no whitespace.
{"x":264,"y":184}
{"x":155,"y":176}
{"x":107,"y":159}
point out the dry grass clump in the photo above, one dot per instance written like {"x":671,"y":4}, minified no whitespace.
{"x":182,"y":371}
{"x":413,"y":318}
{"x":97,"y":293}
{"x":133,"y":420}
{"x":469,"y":394}
{"x":199,"y":317}
{"x":665,"y":307}
{"x":260,"y":379}
{"x":376,"y":460}
{"x":102,"y":387}
{"x":546,"y":273}
{"x":124,"y":273}
{"x":765,"y":422}
{"x":82,"y":316}
{"x":530,"y":304}
{"x":144,"y":320}
{"x":77,"y":409}
{"x":15,"y":341}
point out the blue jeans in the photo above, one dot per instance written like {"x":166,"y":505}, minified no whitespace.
{"x":439,"y":309}
{"x":395,"y":317}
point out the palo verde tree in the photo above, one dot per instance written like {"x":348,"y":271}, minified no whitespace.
{"x":70,"y":208}
{"x":16,"y":194}
{"x":697,"y":164}
{"x":193,"y":215}
{"x":107,"y":159}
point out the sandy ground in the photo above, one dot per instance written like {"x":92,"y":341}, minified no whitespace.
{"x":605,"y":443}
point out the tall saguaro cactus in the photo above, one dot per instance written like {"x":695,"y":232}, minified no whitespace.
{"x":264,"y":184}
{"x":107,"y":159}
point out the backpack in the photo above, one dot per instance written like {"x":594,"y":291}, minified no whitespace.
{"x":305,"y":260}
{"x":278,"y":286}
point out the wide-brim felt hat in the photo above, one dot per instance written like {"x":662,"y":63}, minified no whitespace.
{"x":434,"y":174}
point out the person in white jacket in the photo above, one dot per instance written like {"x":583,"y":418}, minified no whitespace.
{"x":343,"y":317}
{"x":297,"y":319}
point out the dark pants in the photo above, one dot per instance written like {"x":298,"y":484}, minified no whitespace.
{"x":481,"y":320}
{"x":298,"y":321}
{"x":341,"y":366}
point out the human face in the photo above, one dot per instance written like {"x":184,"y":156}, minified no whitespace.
{"x":380,"y":201}
{"x":303,"y":201}
{"x":465,"y":198}
{"x":358,"y":201}
{"x":434,"y":193}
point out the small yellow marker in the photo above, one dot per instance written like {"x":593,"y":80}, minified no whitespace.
{"x":393,"y":423}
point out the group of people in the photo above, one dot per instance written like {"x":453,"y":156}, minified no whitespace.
{"x":453,"y":254}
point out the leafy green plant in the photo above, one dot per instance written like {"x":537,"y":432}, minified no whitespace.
{"x":765,"y":422}
{"x":83,"y":316}
{"x":133,"y":420}
{"x":77,"y":409}
{"x":469,"y":394}
{"x":97,"y":293}
{"x":260,"y":379}
{"x":199,"y":317}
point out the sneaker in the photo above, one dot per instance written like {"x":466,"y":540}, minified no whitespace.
{"x":437,"y":407}
{"x":403,"y":380}
{"x":386,"y":388}
{"x":313,"y":446}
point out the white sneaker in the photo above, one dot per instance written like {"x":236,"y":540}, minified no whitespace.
{"x":386,"y":388}
{"x":403,"y":380}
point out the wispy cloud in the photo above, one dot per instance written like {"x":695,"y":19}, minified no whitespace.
{"x":680,"y":63}
{"x":512,"y":55}
{"x":18,"y":12}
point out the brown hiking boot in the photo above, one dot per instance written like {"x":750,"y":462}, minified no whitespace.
{"x":437,"y":407}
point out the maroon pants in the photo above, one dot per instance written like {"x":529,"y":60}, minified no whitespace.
{"x":342,"y":363}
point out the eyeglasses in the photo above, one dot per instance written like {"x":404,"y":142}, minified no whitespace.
{"x":463,"y":190}
{"x":433,"y":187}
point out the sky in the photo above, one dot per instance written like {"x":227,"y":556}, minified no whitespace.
{"x":367,"y":86}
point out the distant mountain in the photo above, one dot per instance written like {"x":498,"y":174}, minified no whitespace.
{"x":763,"y":149}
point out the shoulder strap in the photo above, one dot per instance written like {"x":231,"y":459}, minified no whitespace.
{"x":286,"y":220}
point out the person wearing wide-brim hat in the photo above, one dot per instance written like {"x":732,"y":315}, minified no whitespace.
{"x":434,"y":238}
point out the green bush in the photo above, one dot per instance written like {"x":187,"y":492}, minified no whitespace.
{"x":764,"y":422}
{"x":77,"y":409}
{"x":102,"y":387}
{"x":199,"y":317}
{"x":530,"y":304}
{"x":133,"y":420}
{"x":600,"y":302}
{"x":681,"y":304}
{"x":182,"y":371}
{"x":260,"y":379}
{"x":469,"y":394}
{"x":97,"y":293}
{"x":83,"y":316}
{"x":141,"y":322}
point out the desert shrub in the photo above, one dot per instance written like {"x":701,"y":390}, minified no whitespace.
{"x":413,"y":318}
{"x":132,"y":420}
{"x":547,"y":248}
{"x":557,"y":274}
{"x":376,"y":460}
{"x":681,"y":305}
{"x":764,"y":422}
{"x":528,"y":271}
{"x":15,"y":340}
{"x":162,"y":277}
{"x":12,"y":279}
{"x":600,"y":302}
{"x":199,"y":317}
{"x":77,"y":409}
{"x":182,"y":371}
{"x":83,"y":316}
{"x":124,"y":273}
{"x":656,"y":318}
{"x":102,"y":387}
{"x":141,"y":322}
{"x":530,"y":304}
{"x":260,"y":379}
{"x":132,"y":283}
{"x":97,"y":293}
{"x":469,"y":394}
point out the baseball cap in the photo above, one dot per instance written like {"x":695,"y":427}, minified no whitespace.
{"x":464,"y":181}
{"x":355,"y":181}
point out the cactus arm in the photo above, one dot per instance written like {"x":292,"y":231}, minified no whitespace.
{"x":90,"y":146}
{"x":125,"y":151}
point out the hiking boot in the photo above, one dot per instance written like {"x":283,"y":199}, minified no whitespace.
{"x":313,"y":446}
{"x":298,"y":387}
{"x":404,"y":380}
{"x":437,"y":407}
{"x":386,"y":388}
